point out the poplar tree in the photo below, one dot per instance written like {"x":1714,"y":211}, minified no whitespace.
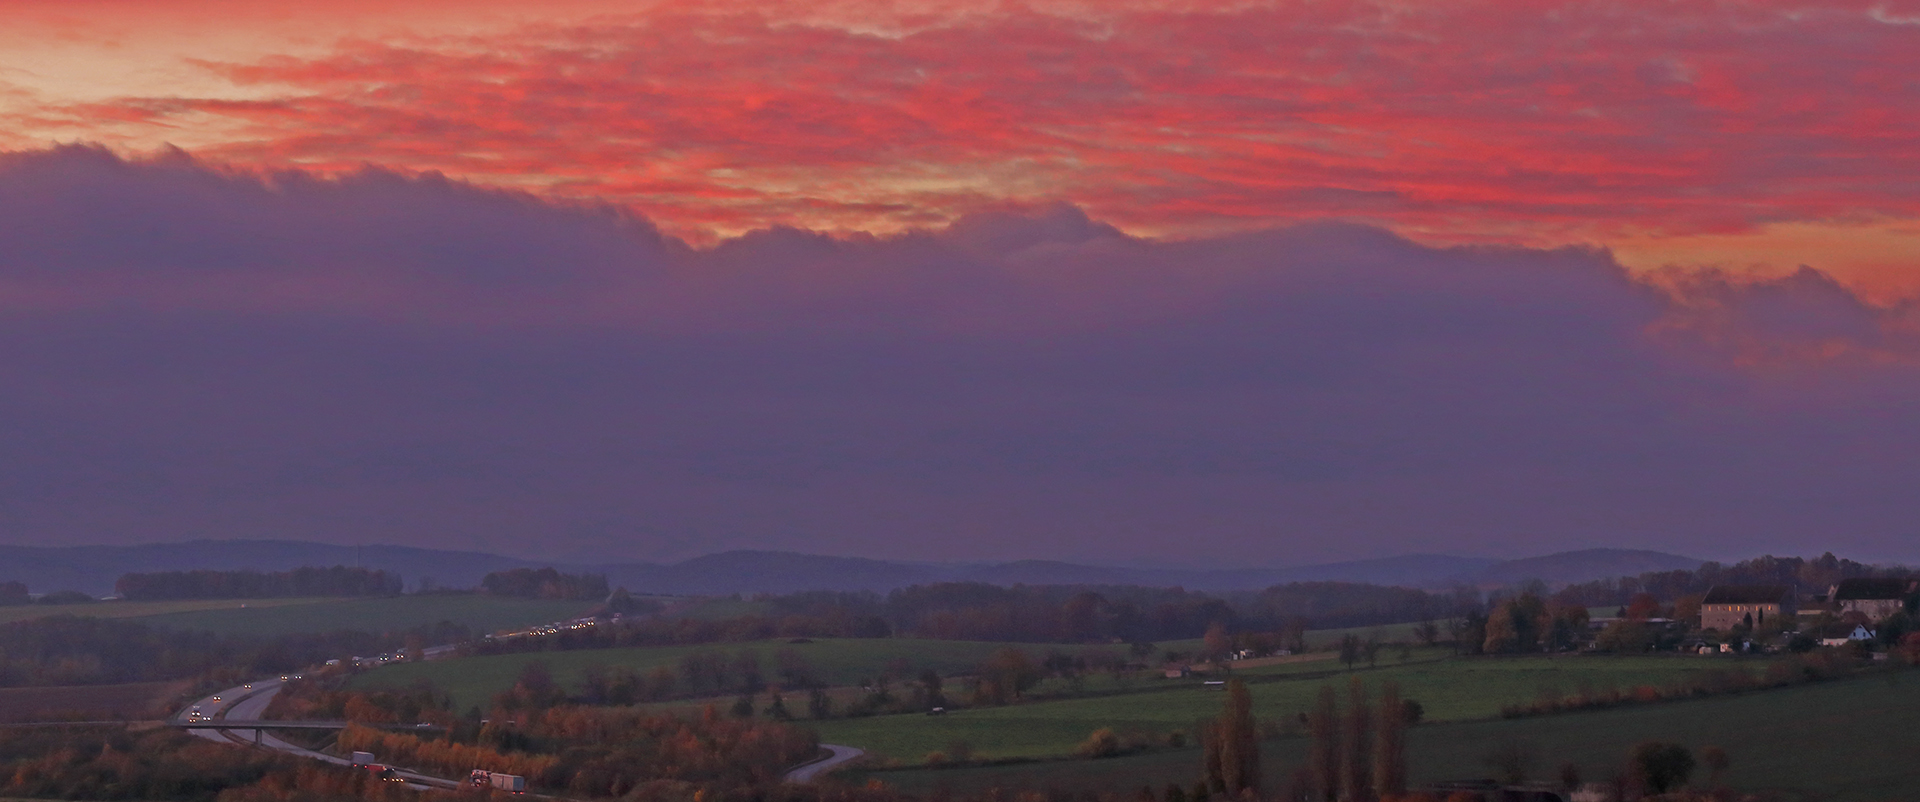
{"x":1390,"y":744}
{"x":1356,"y":771}
{"x":1213,"y":775}
{"x":1323,"y":758}
{"x":1239,"y":741}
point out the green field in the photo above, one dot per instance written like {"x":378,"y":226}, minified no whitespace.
{"x":1848,"y":741}
{"x":472,"y":681}
{"x":142,"y":609}
{"x":1451,"y":689}
{"x":482,"y":613}
{"x":292,"y":616}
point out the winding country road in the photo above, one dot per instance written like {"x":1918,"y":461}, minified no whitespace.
{"x":808,"y":772}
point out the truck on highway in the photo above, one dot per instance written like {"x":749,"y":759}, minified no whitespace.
{"x":361,"y":759}
{"x":481,"y":778}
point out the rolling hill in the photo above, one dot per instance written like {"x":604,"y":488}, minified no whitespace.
{"x":93,"y":569}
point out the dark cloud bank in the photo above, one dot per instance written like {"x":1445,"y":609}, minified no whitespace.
{"x":191,"y":353}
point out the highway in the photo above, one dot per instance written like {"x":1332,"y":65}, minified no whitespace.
{"x":249,"y":703}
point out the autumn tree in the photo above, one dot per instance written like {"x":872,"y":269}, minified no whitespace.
{"x":1213,"y":773}
{"x":1239,"y":741}
{"x":1515,"y":625}
{"x":1641,"y":607}
{"x":1006,"y":675}
{"x":1218,"y":641}
{"x":1356,"y":740}
{"x":1390,"y":743}
{"x":1323,"y":754}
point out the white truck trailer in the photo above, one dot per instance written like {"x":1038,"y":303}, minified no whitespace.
{"x":481,"y":778}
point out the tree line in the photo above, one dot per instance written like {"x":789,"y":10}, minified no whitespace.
{"x":1272,"y":619}
{"x":534,"y":731}
{"x":112,"y":764}
{"x":1805,"y":575}
{"x":545,"y":583}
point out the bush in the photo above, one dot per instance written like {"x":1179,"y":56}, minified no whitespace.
{"x":1102,"y":743}
{"x":1660,"y":767}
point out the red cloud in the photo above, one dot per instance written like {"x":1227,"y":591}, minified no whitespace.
{"x":1529,"y":121}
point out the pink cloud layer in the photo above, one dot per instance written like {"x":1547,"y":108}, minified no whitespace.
{"x":1530,"y":122}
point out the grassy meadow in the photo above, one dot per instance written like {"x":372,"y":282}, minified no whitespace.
{"x":1842,"y":741}
{"x":482,"y":613}
{"x":268,"y":617}
{"x":472,"y":681}
{"x":141,"y":609}
{"x":1450,"y":689}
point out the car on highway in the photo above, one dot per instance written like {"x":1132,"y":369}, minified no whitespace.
{"x":215,"y":700}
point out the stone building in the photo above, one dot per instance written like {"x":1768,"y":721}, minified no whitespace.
{"x":1757,"y":606}
{"x":1874,"y":597}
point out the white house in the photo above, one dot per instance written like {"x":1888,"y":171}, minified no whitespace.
{"x":1860,"y":632}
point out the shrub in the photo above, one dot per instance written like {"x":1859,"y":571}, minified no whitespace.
{"x":1660,"y":767}
{"x":1102,"y":743}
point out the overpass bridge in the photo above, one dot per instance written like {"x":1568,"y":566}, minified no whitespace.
{"x":279,"y":724}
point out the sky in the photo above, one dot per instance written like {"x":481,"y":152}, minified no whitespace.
{"x":1126,"y":282}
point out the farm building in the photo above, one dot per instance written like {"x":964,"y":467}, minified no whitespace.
{"x":1728,"y":606}
{"x":1876,"y":598}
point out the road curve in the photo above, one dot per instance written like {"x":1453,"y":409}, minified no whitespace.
{"x":249,"y":703}
{"x":808,"y":772}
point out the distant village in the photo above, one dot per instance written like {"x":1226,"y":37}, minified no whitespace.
{"x":1774,"y":617}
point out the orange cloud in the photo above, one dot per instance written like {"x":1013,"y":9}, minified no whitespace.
{"x":1664,"y":126}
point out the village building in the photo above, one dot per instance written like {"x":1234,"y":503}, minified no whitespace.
{"x":1859,"y":633}
{"x":1756,"y":606}
{"x":1875,"y":597}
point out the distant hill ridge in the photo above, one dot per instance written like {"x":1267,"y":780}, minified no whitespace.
{"x":93,"y":569}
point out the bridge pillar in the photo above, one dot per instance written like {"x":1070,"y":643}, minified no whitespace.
{"x":257,"y":737}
